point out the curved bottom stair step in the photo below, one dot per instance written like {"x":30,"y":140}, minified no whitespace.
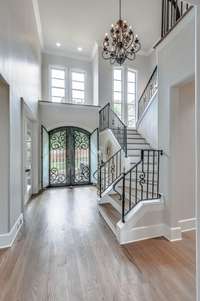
{"x":110,"y":215}
{"x":116,"y":198}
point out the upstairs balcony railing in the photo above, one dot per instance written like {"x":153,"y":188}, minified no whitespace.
{"x":172,"y":12}
{"x":150,"y":89}
{"x":108,"y":119}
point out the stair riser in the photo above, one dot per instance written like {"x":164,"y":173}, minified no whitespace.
{"x":135,"y":140}
{"x":134,"y":152}
{"x":137,"y":146}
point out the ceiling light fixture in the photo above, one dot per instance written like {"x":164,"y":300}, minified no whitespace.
{"x":122,"y":44}
{"x":80,"y":49}
{"x":58,"y":44}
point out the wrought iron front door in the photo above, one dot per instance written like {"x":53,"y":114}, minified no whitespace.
{"x":69,"y":156}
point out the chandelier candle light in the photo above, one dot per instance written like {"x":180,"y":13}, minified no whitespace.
{"x":122,"y":44}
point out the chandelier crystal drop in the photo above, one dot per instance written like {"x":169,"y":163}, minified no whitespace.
{"x":122,"y":44}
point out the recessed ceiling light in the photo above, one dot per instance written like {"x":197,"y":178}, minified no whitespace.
{"x":58,"y":44}
{"x":80,"y":49}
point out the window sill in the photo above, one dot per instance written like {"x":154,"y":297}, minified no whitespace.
{"x":68,"y":104}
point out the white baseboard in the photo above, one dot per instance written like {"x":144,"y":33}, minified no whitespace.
{"x":188,"y":224}
{"x":7,"y":239}
{"x":172,"y":233}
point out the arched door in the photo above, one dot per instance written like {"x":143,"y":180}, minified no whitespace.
{"x":69,"y":156}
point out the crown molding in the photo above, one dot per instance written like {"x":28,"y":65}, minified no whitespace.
{"x":38,"y":22}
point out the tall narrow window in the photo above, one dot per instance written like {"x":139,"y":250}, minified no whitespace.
{"x":117,"y":92}
{"x":58,"y":89}
{"x":78,"y":87}
{"x":131,"y":98}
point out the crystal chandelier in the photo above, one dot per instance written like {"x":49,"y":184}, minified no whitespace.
{"x":122,"y":44}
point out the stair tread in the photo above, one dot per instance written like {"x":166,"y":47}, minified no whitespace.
{"x":111,"y":213}
{"x":116,"y":198}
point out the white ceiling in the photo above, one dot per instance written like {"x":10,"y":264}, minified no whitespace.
{"x":81,"y":23}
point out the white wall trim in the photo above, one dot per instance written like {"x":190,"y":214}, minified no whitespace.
{"x":188,"y":224}
{"x":7,"y":240}
{"x":38,"y":22}
{"x":172,"y":233}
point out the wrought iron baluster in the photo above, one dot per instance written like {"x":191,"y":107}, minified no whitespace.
{"x":148,"y":153}
{"x":123,"y":199}
{"x":153,"y":175}
{"x":117,"y":163}
{"x":162,"y":34}
{"x":113,"y":170}
{"x":181,"y":8}
{"x":130,"y":190}
{"x":172,"y":13}
{"x":167,"y":25}
{"x":136,"y":182}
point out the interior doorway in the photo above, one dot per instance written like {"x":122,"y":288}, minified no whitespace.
{"x":69,"y":156}
{"x":28,"y":160}
{"x":183,"y":153}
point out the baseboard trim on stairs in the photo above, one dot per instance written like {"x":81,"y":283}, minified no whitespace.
{"x":7,"y":239}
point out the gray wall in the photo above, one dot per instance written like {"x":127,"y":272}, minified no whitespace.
{"x":4,"y":157}
{"x":20,"y":67}
{"x":176,"y":61}
{"x":69,"y":63}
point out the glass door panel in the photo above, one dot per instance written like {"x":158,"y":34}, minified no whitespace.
{"x":45,"y":158}
{"x":58,"y":167}
{"x":69,"y":156}
{"x":81,"y":142}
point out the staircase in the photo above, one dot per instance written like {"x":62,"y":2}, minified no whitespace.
{"x":135,"y":142}
{"x":126,"y":191}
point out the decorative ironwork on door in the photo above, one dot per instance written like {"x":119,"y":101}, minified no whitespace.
{"x":69,"y":156}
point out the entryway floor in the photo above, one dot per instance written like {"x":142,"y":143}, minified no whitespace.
{"x":66,"y":252}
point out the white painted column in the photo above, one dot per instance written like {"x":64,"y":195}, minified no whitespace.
{"x":198,"y":147}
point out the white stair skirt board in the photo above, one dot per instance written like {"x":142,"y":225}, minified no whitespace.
{"x":7,"y":239}
{"x":129,"y":232}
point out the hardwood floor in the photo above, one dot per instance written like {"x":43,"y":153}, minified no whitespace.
{"x":66,"y":252}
